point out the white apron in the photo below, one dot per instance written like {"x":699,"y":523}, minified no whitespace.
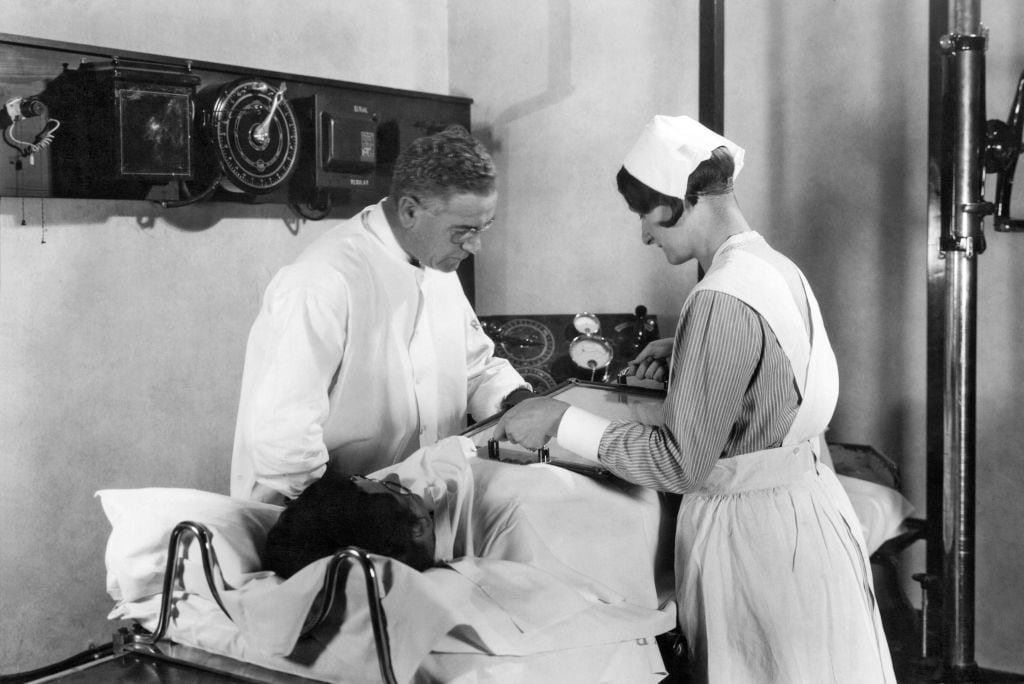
{"x":773,"y":580}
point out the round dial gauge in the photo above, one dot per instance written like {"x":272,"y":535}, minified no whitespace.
{"x":255,"y":136}
{"x":591,"y":352}
{"x":586,"y":323}
{"x":526,"y":341}
{"x":539,"y":379}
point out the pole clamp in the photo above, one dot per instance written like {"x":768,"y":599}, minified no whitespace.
{"x":960,"y":42}
{"x":978,"y":208}
{"x":970,"y":245}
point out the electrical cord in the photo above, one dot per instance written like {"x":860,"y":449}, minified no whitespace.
{"x":18,"y":109}
{"x":189,"y":197}
{"x":42,"y":139}
{"x":312,"y":212}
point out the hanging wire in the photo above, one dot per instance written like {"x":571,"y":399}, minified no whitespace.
{"x":42,"y":139}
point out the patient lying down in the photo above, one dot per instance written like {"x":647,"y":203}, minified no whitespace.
{"x":379,"y":516}
{"x":445,"y":508}
{"x":480,"y":564}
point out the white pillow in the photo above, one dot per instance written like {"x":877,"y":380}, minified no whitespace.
{"x":880,"y":509}
{"x":142,"y":521}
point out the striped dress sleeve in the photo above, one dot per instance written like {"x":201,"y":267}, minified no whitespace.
{"x":731,"y":391}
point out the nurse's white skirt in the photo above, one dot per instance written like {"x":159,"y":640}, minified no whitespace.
{"x":772,"y":576}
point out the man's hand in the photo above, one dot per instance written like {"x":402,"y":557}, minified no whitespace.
{"x":531,"y":423}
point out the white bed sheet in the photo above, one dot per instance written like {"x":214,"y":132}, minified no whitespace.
{"x":554,"y":577}
{"x":566,"y":589}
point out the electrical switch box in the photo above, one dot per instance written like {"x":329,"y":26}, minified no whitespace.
{"x":339,"y":148}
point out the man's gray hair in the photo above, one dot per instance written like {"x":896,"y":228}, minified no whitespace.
{"x":443,"y":164}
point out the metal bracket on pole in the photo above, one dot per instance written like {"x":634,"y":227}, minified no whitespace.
{"x":1004,"y":141}
{"x":971,"y":245}
{"x":958,"y":42}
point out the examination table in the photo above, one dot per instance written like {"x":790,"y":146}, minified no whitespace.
{"x":569,"y":578}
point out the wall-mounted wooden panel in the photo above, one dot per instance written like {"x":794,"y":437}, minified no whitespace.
{"x":121,"y":134}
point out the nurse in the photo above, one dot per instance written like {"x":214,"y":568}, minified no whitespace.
{"x":772,"y":576}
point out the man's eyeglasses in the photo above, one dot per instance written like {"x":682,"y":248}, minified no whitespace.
{"x":461,"y":235}
{"x":457,"y":235}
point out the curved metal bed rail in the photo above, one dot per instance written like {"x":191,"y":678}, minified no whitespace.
{"x":175,"y":552}
{"x":354,"y":555}
{"x":351,"y":555}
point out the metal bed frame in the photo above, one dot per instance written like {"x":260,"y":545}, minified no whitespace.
{"x":119,"y":660}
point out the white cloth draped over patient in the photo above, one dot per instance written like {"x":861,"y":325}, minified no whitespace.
{"x":538,"y":560}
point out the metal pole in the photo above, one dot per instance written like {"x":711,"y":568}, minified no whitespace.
{"x":966,"y":47}
{"x":939,"y":202}
{"x":711,"y":100}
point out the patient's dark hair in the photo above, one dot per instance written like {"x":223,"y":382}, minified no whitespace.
{"x":713,"y":176}
{"x":329,"y":515}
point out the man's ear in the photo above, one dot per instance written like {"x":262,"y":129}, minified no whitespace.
{"x":407,"y":208}
{"x":421,"y":528}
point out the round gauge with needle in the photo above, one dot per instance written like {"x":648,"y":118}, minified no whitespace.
{"x":586,"y":323}
{"x":591,"y":352}
{"x":526,"y":341}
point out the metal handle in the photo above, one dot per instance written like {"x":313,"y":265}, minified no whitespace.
{"x":262,"y":132}
{"x":175,"y":552}
{"x":378,"y":620}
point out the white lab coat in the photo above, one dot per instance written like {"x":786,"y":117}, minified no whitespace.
{"x":358,"y":358}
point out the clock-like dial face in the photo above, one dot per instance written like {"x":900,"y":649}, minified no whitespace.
{"x":591,"y":352}
{"x":525,"y":341}
{"x":255,"y":135}
{"x":586,"y":323}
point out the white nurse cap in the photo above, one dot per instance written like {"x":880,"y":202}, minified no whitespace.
{"x":670,"y":148}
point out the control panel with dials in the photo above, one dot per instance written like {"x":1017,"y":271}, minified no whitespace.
{"x":96,"y":123}
{"x":548,"y":349}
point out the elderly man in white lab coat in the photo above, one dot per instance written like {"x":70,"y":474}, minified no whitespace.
{"x":366,"y":348}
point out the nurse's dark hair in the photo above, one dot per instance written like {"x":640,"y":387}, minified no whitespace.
{"x":445,"y":163}
{"x":713,"y":176}
{"x":333,"y":513}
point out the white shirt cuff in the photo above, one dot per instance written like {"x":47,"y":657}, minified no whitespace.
{"x":580,"y":432}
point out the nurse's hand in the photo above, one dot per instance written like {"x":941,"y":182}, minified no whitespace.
{"x":652,"y":362}
{"x":531,"y":423}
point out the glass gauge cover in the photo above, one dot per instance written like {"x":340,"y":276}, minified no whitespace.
{"x":586,"y":323}
{"x":591,"y":352}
